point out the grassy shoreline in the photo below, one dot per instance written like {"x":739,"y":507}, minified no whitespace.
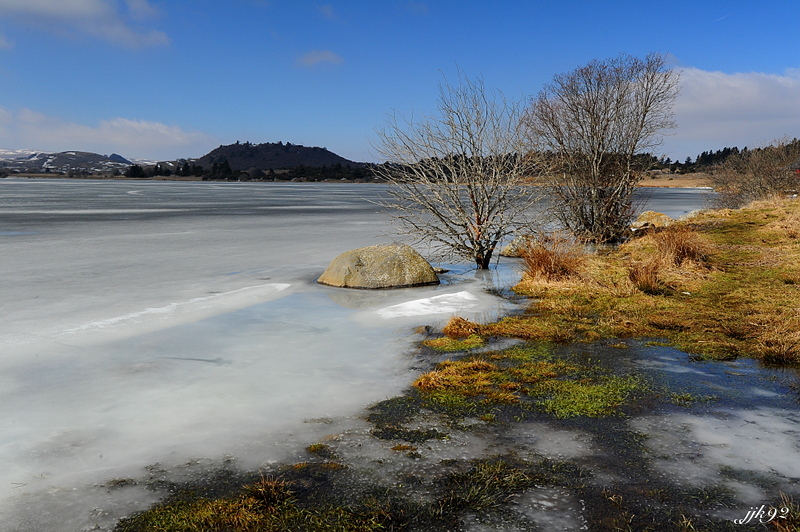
{"x":722,"y":285}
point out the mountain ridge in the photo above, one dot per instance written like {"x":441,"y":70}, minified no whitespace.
{"x":25,"y":160}
{"x":272,"y":156}
{"x":240,"y":157}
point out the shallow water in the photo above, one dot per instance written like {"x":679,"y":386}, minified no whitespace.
{"x":731,"y":438}
{"x":158,"y":330}
{"x":740,"y":430}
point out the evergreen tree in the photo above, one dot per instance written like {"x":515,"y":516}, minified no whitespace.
{"x":135,"y":171}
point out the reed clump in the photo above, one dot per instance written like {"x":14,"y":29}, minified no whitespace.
{"x":646,"y":276}
{"x":554,"y":258}
{"x":459,"y":328}
{"x":679,"y":243}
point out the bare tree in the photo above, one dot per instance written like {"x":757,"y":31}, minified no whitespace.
{"x":593,"y":122}
{"x":455,"y":176}
{"x":757,"y":174}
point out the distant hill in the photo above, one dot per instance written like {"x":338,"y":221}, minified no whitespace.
{"x":240,"y":161}
{"x":272,"y":156}
{"x":61,"y":162}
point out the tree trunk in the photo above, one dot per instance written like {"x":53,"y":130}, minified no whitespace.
{"x":483,"y":261}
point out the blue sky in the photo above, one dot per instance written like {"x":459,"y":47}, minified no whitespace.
{"x":162,"y":79}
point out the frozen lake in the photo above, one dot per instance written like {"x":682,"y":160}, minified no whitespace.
{"x":174,"y":326}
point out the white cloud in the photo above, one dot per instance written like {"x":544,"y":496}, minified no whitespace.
{"x":327,"y":12}
{"x":417,"y":8}
{"x":317,"y":57}
{"x":715,"y":110}
{"x":5,"y":44}
{"x":100,"y":19}
{"x":130,"y":138}
{"x":141,"y":9}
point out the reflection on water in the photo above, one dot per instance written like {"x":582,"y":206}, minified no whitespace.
{"x":732,"y":424}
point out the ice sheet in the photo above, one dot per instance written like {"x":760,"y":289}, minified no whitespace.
{"x":443,"y":304}
{"x":156,"y":329}
{"x":148,"y":326}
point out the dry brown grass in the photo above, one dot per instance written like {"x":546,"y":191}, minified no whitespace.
{"x":721,"y":285}
{"x":679,"y":243}
{"x":791,"y":225}
{"x":788,"y":222}
{"x":553,"y":259}
{"x":774,"y":202}
{"x":790,"y":512}
{"x":559,"y":331}
{"x":271,"y":491}
{"x":459,"y":328}
{"x":646,"y":276}
{"x":674,"y":258}
{"x":446,"y":343}
{"x":779,"y":339}
{"x":473,"y":377}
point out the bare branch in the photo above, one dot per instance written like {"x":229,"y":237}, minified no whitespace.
{"x":457,"y":178}
{"x":593,"y":122}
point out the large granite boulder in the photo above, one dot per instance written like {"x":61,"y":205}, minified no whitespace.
{"x":386,"y":266}
{"x":650,"y":220}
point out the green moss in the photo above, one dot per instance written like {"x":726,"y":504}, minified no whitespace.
{"x":525,"y":353}
{"x":322,"y":450}
{"x":535,"y":372}
{"x":269,"y":504}
{"x":245,"y":514}
{"x":451,"y":402}
{"x":523,"y":377}
{"x":688,"y":399}
{"x":570,"y":398}
{"x":445,"y":343}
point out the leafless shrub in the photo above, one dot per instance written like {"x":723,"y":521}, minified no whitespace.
{"x":456,"y":177}
{"x":594,"y":123}
{"x":758,"y":174}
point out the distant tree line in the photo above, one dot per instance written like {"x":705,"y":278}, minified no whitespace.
{"x":335,"y":171}
{"x":708,"y":161}
{"x":139,"y":171}
{"x":221,"y":171}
